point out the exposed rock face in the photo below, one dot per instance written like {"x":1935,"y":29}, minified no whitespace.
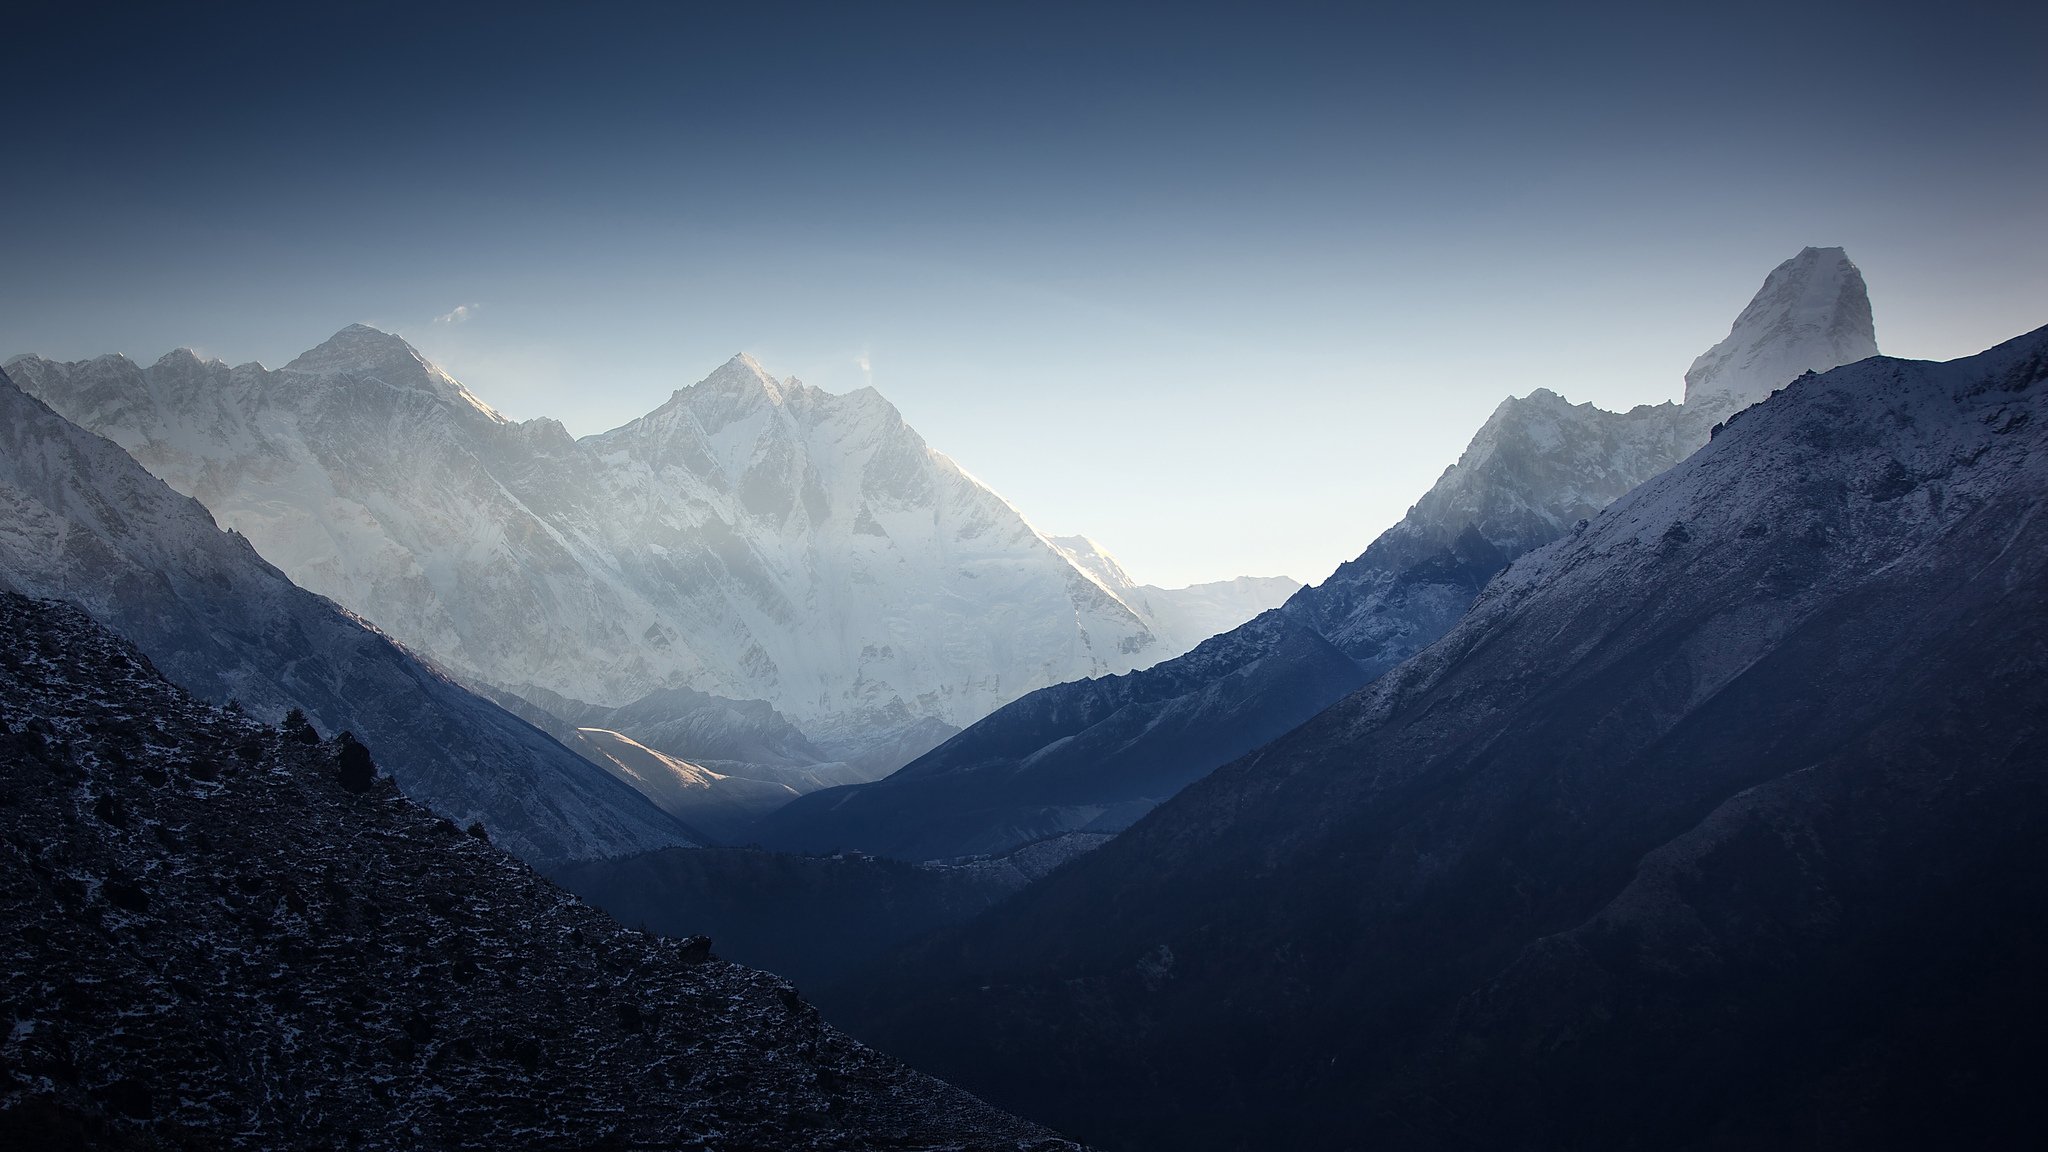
{"x":1096,"y":755}
{"x":81,"y":521}
{"x":1716,"y":823}
{"x":210,"y":942}
{"x":1812,"y":314}
{"x":752,"y":538}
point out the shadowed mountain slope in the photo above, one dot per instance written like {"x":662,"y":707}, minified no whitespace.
{"x":213,"y":940}
{"x":1719,"y":823}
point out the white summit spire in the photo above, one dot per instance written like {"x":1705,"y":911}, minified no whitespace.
{"x":1813,"y":313}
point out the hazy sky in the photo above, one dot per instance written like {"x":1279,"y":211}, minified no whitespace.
{"x":1222,"y":287}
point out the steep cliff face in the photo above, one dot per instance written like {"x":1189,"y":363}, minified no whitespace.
{"x":1708,"y":826}
{"x":216,"y":936}
{"x":81,"y":521}
{"x":1095,"y":755}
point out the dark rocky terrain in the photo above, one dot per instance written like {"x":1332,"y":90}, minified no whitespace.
{"x":220,"y":934}
{"x":1720,"y":823}
{"x":813,"y":919}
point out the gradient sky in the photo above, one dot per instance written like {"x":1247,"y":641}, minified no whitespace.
{"x":1222,"y":287}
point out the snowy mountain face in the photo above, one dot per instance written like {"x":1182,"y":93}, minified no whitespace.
{"x":213,"y":939}
{"x":82,"y":521}
{"x":1096,"y":755}
{"x":753,"y":539}
{"x":1750,"y":763}
{"x":1180,"y":617}
{"x":1813,"y":314}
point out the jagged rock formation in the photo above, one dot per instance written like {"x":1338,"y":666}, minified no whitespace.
{"x":1095,"y":755}
{"x":1718,"y":823}
{"x":210,"y":942}
{"x":81,"y":521}
{"x":752,"y":538}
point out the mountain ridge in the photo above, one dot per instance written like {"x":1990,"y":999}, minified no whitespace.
{"x":750,"y":538}
{"x":80,"y":520}
{"x":1094,"y":755}
{"x":1710,"y":824}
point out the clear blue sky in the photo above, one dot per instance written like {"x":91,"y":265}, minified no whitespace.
{"x":1223,"y":287}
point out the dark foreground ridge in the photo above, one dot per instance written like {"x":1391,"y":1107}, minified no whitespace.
{"x":209,"y":939}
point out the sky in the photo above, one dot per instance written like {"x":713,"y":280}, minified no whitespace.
{"x":1223,"y":287}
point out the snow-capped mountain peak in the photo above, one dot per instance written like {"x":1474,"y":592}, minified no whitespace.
{"x":752,"y":538}
{"x":743,"y":376}
{"x":360,"y":352}
{"x":1812,"y":314}
{"x":185,"y":359}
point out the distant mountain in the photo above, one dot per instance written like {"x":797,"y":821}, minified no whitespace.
{"x":696,"y":726}
{"x":1180,"y":617}
{"x":81,"y":521}
{"x":1097,"y":754}
{"x":214,"y":941}
{"x":1718,"y":823}
{"x":752,"y":538}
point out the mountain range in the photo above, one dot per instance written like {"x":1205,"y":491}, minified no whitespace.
{"x":1714,"y":823}
{"x":1094,"y":755}
{"x":82,"y":521}
{"x":751,"y":539}
{"x":1665,"y":778}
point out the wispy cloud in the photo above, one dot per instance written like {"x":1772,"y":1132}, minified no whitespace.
{"x":867,"y":371}
{"x":460,"y":313}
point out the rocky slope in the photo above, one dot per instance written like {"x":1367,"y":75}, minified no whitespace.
{"x":1717,"y":823}
{"x":81,"y":521}
{"x":1097,"y":754}
{"x":752,"y":538}
{"x":813,"y":919}
{"x":212,"y":938}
